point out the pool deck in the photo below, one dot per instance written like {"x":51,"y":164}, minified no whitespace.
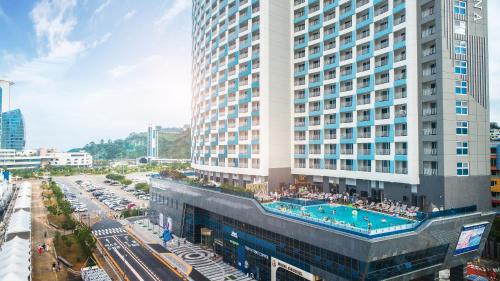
{"x":411,"y":223}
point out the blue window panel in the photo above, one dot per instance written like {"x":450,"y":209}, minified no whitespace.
{"x":331,"y":6}
{"x":462,"y":169}
{"x":386,"y":66}
{"x":302,"y":18}
{"x":366,"y":21}
{"x":460,"y":7}
{"x":386,"y":31}
{"x":350,"y":44}
{"x":401,"y":6}
{"x":460,"y":67}
{"x":461,"y":107}
{"x":351,"y":140}
{"x":389,"y":138}
{"x":367,"y":55}
{"x":367,"y":88}
{"x":388,"y":102}
{"x":401,"y":157}
{"x":318,"y":54}
{"x":400,"y":82}
{"x":399,"y":120}
{"x":370,"y":122}
{"x":400,"y":44}
{"x":461,"y":87}
{"x":462,"y":128}
{"x":462,"y":148}
{"x":317,"y":25}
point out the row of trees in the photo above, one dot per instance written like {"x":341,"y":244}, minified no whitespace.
{"x":59,"y":206}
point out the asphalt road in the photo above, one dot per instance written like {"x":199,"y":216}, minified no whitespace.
{"x":135,"y":261}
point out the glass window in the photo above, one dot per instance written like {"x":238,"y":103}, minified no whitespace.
{"x":462,"y":168}
{"x":462,"y":107}
{"x":462,"y":148}
{"x":460,"y":67}
{"x":461,"y":87}
{"x":462,"y":128}
{"x":460,"y":27}
{"x":460,"y":7}
{"x":460,"y":47}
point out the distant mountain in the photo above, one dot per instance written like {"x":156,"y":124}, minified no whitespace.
{"x":173,"y":143}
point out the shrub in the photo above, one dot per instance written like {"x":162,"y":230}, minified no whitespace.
{"x":142,"y":186}
{"x":115,"y":177}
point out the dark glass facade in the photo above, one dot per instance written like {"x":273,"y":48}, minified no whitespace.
{"x":13,"y":131}
{"x":250,"y":248}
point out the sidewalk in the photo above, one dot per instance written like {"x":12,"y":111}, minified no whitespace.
{"x":42,"y":264}
{"x":200,"y":259}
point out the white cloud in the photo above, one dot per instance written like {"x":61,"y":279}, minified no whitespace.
{"x":102,"y":7}
{"x":53,"y":22}
{"x":177,"y":7}
{"x":129,"y":15}
{"x":101,"y":40}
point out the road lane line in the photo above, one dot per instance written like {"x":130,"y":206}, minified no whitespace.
{"x":137,"y":259}
{"x":128,"y":264}
{"x":158,"y":257}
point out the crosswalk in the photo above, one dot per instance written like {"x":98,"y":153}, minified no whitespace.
{"x":108,"y":231}
{"x":201,"y":260}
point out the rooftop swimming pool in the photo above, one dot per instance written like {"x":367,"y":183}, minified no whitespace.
{"x":342,"y":216}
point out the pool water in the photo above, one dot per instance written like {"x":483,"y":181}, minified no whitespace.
{"x":342,"y":215}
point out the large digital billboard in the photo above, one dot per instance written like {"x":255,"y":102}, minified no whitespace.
{"x":470,"y":238}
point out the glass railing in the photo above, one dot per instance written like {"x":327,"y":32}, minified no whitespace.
{"x":421,"y":217}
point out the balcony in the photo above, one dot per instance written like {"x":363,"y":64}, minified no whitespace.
{"x":382,"y":169}
{"x":401,"y":151}
{"x":382,"y":116}
{"x":430,"y":151}
{"x":400,"y":170}
{"x":430,"y":131}
{"x":401,"y":133}
{"x":429,"y":111}
{"x":383,"y":151}
{"x":429,"y":92}
{"x":430,"y":172}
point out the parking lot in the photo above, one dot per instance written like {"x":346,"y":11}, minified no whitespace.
{"x":112,"y":196}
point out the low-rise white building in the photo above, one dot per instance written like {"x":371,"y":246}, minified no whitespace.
{"x":34,"y":159}
{"x":76,"y":159}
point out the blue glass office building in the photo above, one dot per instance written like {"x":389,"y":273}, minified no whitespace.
{"x":13,"y":130}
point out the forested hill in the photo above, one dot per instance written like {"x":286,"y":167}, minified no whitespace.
{"x":173,"y":143}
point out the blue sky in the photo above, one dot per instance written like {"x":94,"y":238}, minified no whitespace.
{"x":86,"y":70}
{"x":92,"y":69}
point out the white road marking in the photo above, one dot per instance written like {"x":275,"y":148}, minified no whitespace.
{"x":128,"y":265}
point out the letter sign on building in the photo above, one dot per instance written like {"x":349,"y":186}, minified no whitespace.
{"x":478,"y":10}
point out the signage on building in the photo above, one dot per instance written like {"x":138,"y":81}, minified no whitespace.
{"x":234,"y":234}
{"x":257,"y":252}
{"x":301,"y":179}
{"x":478,"y":10}
{"x":276,"y":263}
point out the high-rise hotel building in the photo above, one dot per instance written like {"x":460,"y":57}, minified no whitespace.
{"x":241,"y":90}
{"x":382,"y":98}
